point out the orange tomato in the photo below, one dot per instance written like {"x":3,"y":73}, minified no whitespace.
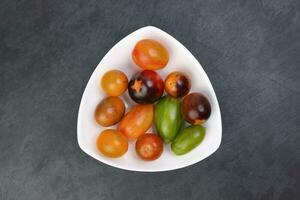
{"x":112,"y":143}
{"x":114,"y":83}
{"x":150,"y":54}
{"x":137,"y":121}
{"x":109,"y":111}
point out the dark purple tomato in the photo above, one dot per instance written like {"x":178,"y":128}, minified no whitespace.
{"x":195,"y":108}
{"x":177,"y":84}
{"x":146,"y":87}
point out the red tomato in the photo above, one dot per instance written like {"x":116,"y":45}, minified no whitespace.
{"x":149,"y":146}
{"x":137,"y":121}
{"x":150,"y":54}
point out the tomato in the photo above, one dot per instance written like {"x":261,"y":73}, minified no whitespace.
{"x":109,"y":111}
{"x":114,"y":83}
{"x":112,"y":143}
{"x":168,"y":118}
{"x":137,"y":121}
{"x":146,"y":87}
{"x":149,"y":146}
{"x":188,"y":139}
{"x":195,"y":108}
{"x":150,"y":54}
{"x":177,"y":84}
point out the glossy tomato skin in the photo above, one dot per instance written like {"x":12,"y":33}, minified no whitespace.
{"x":114,"y":83}
{"x":195,"y":108}
{"x":177,"y":84}
{"x":112,"y":143}
{"x":146,"y":87}
{"x":109,"y":111}
{"x":149,"y":147}
{"x":168,"y":118}
{"x":137,"y":121}
{"x":150,"y":54}
{"x":188,"y":139}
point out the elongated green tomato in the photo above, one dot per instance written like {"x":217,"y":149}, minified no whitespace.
{"x":188,"y":139}
{"x":168,"y":118}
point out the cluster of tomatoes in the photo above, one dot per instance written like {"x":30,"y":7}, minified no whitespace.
{"x":146,"y":88}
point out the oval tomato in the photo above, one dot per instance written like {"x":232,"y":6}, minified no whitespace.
{"x":167,"y":118}
{"x":112,"y":143}
{"x":188,"y":139}
{"x":150,"y":54}
{"x":149,"y":146}
{"x":109,"y":111}
{"x":137,"y":121}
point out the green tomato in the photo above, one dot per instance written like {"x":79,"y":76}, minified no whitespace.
{"x":188,"y":139}
{"x":168,"y":118}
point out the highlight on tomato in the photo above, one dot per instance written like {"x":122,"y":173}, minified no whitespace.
{"x":150,"y":54}
{"x":112,"y":143}
{"x":137,"y":121}
{"x":149,"y":146}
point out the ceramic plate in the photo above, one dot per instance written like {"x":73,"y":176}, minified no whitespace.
{"x":119,"y":57}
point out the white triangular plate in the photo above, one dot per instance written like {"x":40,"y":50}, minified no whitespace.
{"x":119,"y":57}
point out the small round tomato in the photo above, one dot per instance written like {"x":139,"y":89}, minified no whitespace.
{"x":146,"y":87}
{"x":150,"y":54}
{"x":195,"y":108}
{"x":109,"y":111}
{"x":112,"y":143}
{"x":137,"y":121}
{"x":114,"y":83}
{"x":149,"y":146}
{"x":177,"y":84}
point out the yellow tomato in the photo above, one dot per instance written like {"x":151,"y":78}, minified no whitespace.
{"x":114,"y":83}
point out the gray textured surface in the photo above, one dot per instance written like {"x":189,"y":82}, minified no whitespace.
{"x":250,"y":50}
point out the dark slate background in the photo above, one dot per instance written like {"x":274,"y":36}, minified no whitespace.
{"x":250,"y":50}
